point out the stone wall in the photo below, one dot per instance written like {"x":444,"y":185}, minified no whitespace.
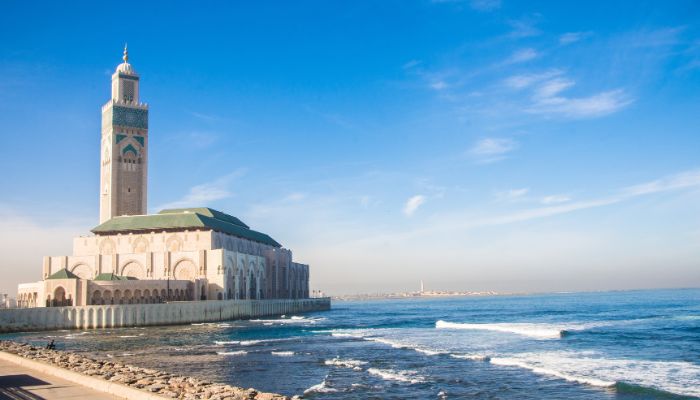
{"x":128,"y":315}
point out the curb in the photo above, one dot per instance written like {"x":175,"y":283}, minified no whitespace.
{"x":113,"y":388}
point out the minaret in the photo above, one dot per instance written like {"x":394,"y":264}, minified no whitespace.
{"x":124,"y":165}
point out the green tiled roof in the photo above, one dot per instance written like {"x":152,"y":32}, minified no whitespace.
{"x":63,"y":274}
{"x":113,"y":277}
{"x":183,"y":218}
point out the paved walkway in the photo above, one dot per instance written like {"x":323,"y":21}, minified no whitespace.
{"x":18,"y":382}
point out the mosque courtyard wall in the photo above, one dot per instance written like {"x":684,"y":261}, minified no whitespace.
{"x":134,"y":315}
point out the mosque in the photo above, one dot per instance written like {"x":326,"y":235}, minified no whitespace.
{"x":189,"y":254}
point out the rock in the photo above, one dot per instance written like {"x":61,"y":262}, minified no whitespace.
{"x":156,"y":387}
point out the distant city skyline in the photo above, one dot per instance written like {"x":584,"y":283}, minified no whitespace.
{"x":470,"y":145}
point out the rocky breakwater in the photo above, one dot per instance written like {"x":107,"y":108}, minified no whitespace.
{"x":152,"y":381}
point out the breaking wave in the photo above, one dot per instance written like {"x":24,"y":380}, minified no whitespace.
{"x":232,"y":353}
{"x":676,"y":377}
{"x":535,"y":331}
{"x":352,"y":364}
{"x":282,"y":353}
{"x":399,"y":376}
{"x":321,"y":387}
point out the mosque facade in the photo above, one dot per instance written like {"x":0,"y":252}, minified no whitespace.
{"x":131,"y":257}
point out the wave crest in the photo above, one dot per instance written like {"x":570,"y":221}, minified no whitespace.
{"x":536,"y":331}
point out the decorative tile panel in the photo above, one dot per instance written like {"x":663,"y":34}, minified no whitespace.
{"x":120,"y":137}
{"x":131,"y":117}
{"x":139,"y":139}
{"x":130,"y":148}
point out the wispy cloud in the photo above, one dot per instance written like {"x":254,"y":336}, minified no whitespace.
{"x":438,"y":85}
{"x":512,"y":194}
{"x":203,"y":194}
{"x":523,"y":28}
{"x":555,"y":199}
{"x":572,"y":37}
{"x":597,"y":105}
{"x":490,"y":150}
{"x":294,"y":197}
{"x":413,"y":204}
{"x":522,"y":55}
{"x":679,"y":181}
{"x":522,"y":81}
{"x":547,"y":96}
{"x":411,"y":64}
{"x":461,"y":222}
{"x":485,"y":5}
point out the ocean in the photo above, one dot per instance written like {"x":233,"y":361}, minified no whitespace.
{"x":603,"y":345}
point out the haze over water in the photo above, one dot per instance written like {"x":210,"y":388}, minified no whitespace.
{"x":622,"y":345}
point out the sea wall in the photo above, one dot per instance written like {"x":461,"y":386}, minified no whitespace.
{"x":129,"y":315}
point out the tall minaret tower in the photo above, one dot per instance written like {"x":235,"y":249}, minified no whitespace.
{"x":124,"y":163}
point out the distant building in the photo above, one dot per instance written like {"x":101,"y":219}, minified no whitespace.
{"x":191,"y":254}
{"x":6,"y":301}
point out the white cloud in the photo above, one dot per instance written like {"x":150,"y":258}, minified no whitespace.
{"x":294,"y":197}
{"x":522,"y":55}
{"x":552,"y":88}
{"x":438,"y":85}
{"x":522,"y":81}
{"x":492,"y":149}
{"x":513,"y":194}
{"x":555,"y":199}
{"x":461,"y":221}
{"x":679,"y":181}
{"x":523,"y":28}
{"x":411,"y":64}
{"x":413,"y":204}
{"x":572,"y":37}
{"x":485,"y":5}
{"x":548,"y":100}
{"x":205,"y":193}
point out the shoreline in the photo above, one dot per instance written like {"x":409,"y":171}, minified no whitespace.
{"x":124,"y":380}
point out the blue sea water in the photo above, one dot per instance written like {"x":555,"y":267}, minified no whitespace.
{"x":607,"y":345}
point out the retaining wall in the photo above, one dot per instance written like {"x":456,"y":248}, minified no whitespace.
{"x":128,"y":315}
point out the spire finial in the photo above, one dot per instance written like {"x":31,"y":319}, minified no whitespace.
{"x":126,"y":54}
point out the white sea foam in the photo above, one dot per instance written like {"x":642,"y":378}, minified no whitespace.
{"x":282,"y":353}
{"x":320,"y":388}
{"x":128,"y":336}
{"x":249,"y":342}
{"x":232,"y":353}
{"x":365,"y":335}
{"x":224,"y":342}
{"x":429,"y":352}
{"x":352,"y":364}
{"x":678,"y":377}
{"x":292,"y":320}
{"x":254,"y":342}
{"x":536,"y":331}
{"x":399,"y":376}
{"x":473,"y":357}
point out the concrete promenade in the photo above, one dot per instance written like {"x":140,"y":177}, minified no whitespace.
{"x":20,"y":382}
{"x":130,"y":315}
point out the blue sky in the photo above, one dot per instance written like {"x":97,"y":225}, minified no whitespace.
{"x":476,"y":145}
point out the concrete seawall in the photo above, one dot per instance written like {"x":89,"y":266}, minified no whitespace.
{"x":129,"y":315}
